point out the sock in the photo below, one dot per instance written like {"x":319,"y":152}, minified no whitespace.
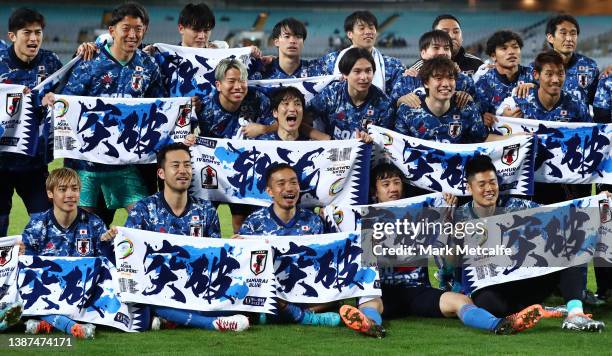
{"x":4,"y":224}
{"x":373,"y":314}
{"x":293,"y":312}
{"x":60,"y":322}
{"x":186,"y":317}
{"x":574,"y":306}
{"x":478,"y":318}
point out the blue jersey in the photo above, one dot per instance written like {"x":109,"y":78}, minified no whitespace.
{"x":215,"y":121}
{"x":602,"y":106}
{"x":335,"y":114}
{"x":265,"y":222}
{"x":14,"y":71}
{"x":152,"y":213}
{"x":393,"y":68}
{"x":307,"y":68}
{"x":3,"y":45}
{"x":44,"y":236}
{"x":492,"y":88}
{"x":407,"y":84}
{"x":457,"y":125}
{"x":568,"y":108}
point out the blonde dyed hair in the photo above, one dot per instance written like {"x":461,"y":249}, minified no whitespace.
{"x":61,"y":176}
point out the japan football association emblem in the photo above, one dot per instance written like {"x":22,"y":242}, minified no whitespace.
{"x":83,"y":246}
{"x":183,"y":117}
{"x":454,"y":129}
{"x":13,"y":103}
{"x":510,"y":154}
{"x":6,"y":254}
{"x":209,"y":178}
{"x":258,"y":261}
{"x":583,"y":80}
{"x":195,"y":229}
{"x":136,"y":82}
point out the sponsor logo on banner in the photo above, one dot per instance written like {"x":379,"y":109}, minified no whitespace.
{"x":338,"y":216}
{"x":209,"y":178}
{"x":83,"y":246}
{"x":206,"y":142}
{"x":505,"y":129}
{"x":183,"y":118}
{"x":258,"y":261}
{"x":387,"y":139}
{"x":510,"y":154}
{"x":336,"y":187}
{"x":5,"y":255}
{"x":454,"y":129}
{"x":60,"y":108}
{"x":13,"y":103}
{"x":125,"y":248}
{"x":254,"y":301}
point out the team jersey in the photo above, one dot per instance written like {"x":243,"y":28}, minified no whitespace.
{"x":265,"y":222}
{"x":215,"y":121}
{"x":44,"y":236}
{"x":468,"y":63}
{"x":307,"y":68}
{"x":407,"y":84}
{"x":393,"y":68}
{"x":14,"y":71}
{"x":568,"y":108}
{"x":492,"y":87}
{"x":3,"y":45}
{"x":335,"y":114}
{"x":603,"y":100}
{"x":457,"y":125}
{"x":152,"y":213}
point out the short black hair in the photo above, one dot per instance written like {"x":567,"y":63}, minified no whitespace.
{"x":24,"y":16}
{"x":275,"y":167}
{"x":437,"y":20}
{"x":478,"y":164}
{"x":551,"y":25}
{"x":499,"y":38}
{"x":548,"y":57}
{"x":352,"y":56}
{"x":382,"y":171}
{"x":281,"y":93}
{"x":435,"y":36}
{"x":177,"y":146}
{"x":296,"y":26}
{"x":439,"y":64}
{"x":359,"y":16}
{"x":197,"y":17}
{"x":131,"y":9}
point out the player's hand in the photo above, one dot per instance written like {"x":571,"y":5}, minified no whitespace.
{"x":363,"y":136}
{"x":48,"y":99}
{"x":21,"y":248}
{"x":196,"y":103}
{"x":26,"y":90}
{"x":87,"y":50}
{"x":109,"y":235}
{"x":150,"y":49}
{"x":489,"y":119}
{"x":516,"y":112}
{"x":410,"y":99}
{"x":237,"y":236}
{"x":253,"y":130}
{"x":462,"y":98}
{"x":255,"y":52}
{"x":411,"y":72}
{"x":189,"y":140}
{"x":522,"y":90}
{"x":266,"y":60}
{"x":607,"y":71}
{"x":450,"y":199}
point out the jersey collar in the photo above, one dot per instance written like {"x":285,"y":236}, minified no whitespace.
{"x":169,"y":209}
{"x":79,"y":216}
{"x":367,"y":100}
{"x":539,"y":103}
{"x":21,"y":64}
{"x":289,"y":224}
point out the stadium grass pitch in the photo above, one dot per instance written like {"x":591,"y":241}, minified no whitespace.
{"x":404,"y":336}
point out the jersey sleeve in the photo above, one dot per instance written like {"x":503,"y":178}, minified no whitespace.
{"x":317,"y":108}
{"x":387,"y":114}
{"x":265,"y":113}
{"x":478,"y":131}
{"x":213,"y":228}
{"x":104,"y":248}
{"x":79,"y":81}
{"x":393,"y":71}
{"x":403,"y":120}
{"x":247,"y":228}
{"x":32,"y":236}
{"x":156,"y":87}
{"x":136,"y":217}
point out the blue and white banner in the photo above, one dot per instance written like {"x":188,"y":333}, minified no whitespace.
{"x":9,"y":261}
{"x":309,"y":86}
{"x":321,"y":268}
{"x":543,"y":240}
{"x":195,"y":274}
{"x":572,"y":153}
{"x":330,"y":172}
{"x":191,"y":71}
{"x":19,"y":127}
{"x":117,"y":130}
{"x":439,"y":166}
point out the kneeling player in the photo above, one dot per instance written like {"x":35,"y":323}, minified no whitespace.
{"x":284,"y":218}
{"x":407,"y":291}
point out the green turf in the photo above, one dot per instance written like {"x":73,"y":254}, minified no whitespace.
{"x":405,"y":336}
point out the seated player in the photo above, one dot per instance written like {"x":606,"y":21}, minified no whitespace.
{"x":407,"y":291}
{"x":174,"y":211}
{"x":285,"y":218}
{"x":510,"y":297}
{"x":344,"y":109}
{"x":439,"y":118}
{"x":64,"y":230}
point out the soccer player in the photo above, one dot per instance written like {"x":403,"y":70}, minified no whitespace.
{"x":439,"y":118}
{"x":433,"y":43}
{"x":602,"y":105}
{"x":24,"y":63}
{"x":407,"y":291}
{"x":285,"y":218}
{"x":289,"y":35}
{"x":64,"y":230}
{"x":510,"y":297}
{"x":120,"y":69}
{"x":195,"y":24}
{"x":344,"y":109}
{"x":361,"y":29}
{"x":288,"y":109}
{"x":581,"y":71}
{"x":174,"y":211}
{"x":504,"y":47}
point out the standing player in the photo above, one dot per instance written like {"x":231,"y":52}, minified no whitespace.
{"x":361,"y":28}
{"x":64,"y":230}
{"x":407,"y":291}
{"x":344,"y":109}
{"x":195,"y":24}
{"x":24,"y":63}
{"x":285,"y":218}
